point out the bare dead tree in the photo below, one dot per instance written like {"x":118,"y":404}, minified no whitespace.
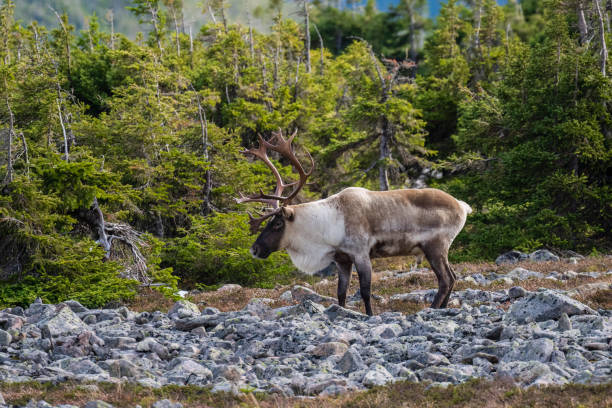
{"x":277,"y":61}
{"x":36,"y":45}
{"x":582,"y":24}
{"x":59,"y":111}
{"x":322,"y":65}
{"x":602,"y":38}
{"x":251,"y":44}
{"x":176,"y":33}
{"x":110,"y":17}
{"x":212,"y":14}
{"x":307,"y":29}
{"x":25,"y":151}
{"x":204,"y":130}
{"x":477,"y":26}
{"x":66,"y":38}
{"x":11,"y":131}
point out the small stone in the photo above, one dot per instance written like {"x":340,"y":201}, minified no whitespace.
{"x":596,"y":346}
{"x":533,"y":350}
{"x":90,"y":319}
{"x":184,"y":308}
{"x":516,"y":292}
{"x":200,"y":332}
{"x":564,"y":323}
{"x":286,"y":296}
{"x":300,"y":293}
{"x":166,"y":404}
{"x":523,"y":274}
{"x":75,"y":306}
{"x":229,"y":287}
{"x":494,"y":333}
{"x":543,"y":255}
{"x":332,"y":348}
{"x":5,"y":338}
{"x":98,"y":404}
{"x":350,"y":361}
{"x":511,"y":257}
{"x":378,"y":376}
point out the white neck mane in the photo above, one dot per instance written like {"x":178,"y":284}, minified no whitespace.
{"x":311,"y":238}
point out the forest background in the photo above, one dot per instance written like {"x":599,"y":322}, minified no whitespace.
{"x":119,"y":155}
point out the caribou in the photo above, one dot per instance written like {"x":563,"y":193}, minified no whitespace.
{"x":354,"y":226}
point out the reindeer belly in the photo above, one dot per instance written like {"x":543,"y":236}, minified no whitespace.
{"x":394,"y":246}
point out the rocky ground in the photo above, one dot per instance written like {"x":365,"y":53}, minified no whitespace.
{"x":531,"y":337}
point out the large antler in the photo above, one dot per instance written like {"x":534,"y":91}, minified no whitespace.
{"x":283,"y":147}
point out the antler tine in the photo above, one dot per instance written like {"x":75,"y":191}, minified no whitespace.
{"x":283,"y":147}
{"x":261,"y":153}
{"x":255,"y":223}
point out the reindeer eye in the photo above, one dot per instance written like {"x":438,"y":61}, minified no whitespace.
{"x":278,"y":224}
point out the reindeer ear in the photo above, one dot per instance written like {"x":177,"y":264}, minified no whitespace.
{"x":287,"y":213}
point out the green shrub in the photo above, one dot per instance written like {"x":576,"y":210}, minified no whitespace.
{"x":216,"y":250}
{"x":76,"y":273}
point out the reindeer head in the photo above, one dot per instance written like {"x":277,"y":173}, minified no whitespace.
{"x":278,"y":208}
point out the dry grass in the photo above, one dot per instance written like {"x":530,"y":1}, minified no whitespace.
{"x":149,"y":300}
{"x":476,"y":393}
{"x":385,"y":286}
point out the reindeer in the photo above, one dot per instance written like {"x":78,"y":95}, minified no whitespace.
{"x":354,"y":226}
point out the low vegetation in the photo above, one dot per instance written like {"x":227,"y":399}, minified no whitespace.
{"x":492,"y":394}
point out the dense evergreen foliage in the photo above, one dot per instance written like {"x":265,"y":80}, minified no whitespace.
{"x":119,"y":159}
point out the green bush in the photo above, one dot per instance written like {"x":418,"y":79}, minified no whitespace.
{"x":77,"y":273}
{"x":216,"y":250}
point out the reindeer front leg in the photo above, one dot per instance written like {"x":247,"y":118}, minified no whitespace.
{"x":364,"y":270}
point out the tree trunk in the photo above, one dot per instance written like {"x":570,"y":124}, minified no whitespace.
{"x":103,"y":239}
{"x":385,"y":154}
{"x":66,"y":40}
{"x":111,"y":16}
{"x":602,"y":38}
{"x":582,"y":24}
{"x":412,"y":52}
{"x":204,"y":129}
{"x":307,"y":28}
{"x":59,"y":111}
{"x":212,"y":14}
{"x":156,"y":27}
{"x":176,"y":33}
{"x":27,"y":158}
{"x":321,"y":49}
{"x":276,"y":63}
{"x":11,"y":131}
{"x":251,"y":44}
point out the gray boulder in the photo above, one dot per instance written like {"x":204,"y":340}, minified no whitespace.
{"x":546,"y":305}
{"x":336,"y":311}
{"x":5,"y":338}
{"x":511,"y":257}
{"x":166,"y":404}
{"x":523,"y":274}
{"x":543,"y":255}
{"x":183,"y":308}
{"x":528,"y":373}
{"x":350,"y":361}
{"x":63,"y":322}
{"x":300,"y":293}
{"x":533,"y":350}
{"x":98,"y":404}
{"x":377,"y":376}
